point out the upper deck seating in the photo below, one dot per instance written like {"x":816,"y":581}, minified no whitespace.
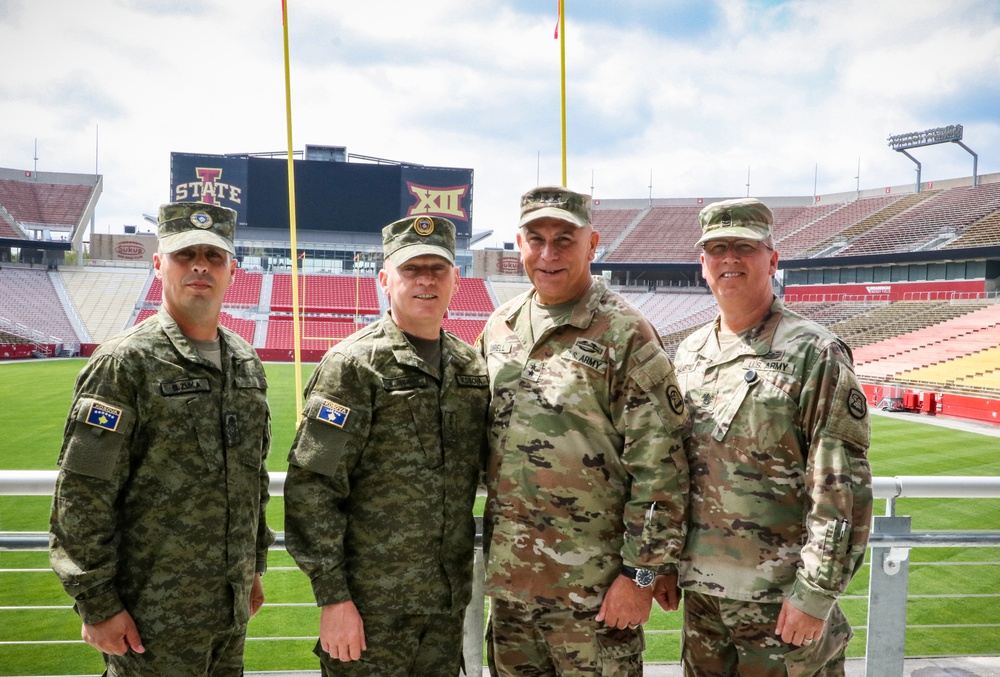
{"x":39,"y":204}
{"x":951,"y":209}
{"x":609,"y":223}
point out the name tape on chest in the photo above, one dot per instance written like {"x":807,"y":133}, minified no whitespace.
{"x":104,"y":416}
{"x":185,"y":386}
{"x":333,"y":413}
{"x":403,"y":383}
{"x":500,"y":348}
{"x":472,"y":380}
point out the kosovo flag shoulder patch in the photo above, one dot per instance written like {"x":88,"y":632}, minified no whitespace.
{"x":333,"y":413}
{"x":104,"y":416}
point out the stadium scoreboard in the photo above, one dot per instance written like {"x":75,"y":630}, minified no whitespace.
{"x":330,"y":195}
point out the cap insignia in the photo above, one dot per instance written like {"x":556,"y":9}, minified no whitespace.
{"x":201,"y":220}
{"x":424,"y":226}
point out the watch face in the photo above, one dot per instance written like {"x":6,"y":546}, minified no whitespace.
{"x":644,"y":577}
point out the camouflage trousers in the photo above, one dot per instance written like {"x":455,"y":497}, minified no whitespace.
{"x":183,"y":652}
{"x":526,"y":640}
{"x":727,"y":637}
{"x":403,"y":646}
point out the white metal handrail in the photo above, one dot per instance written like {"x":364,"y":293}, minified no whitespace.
{"x":43,"y":482}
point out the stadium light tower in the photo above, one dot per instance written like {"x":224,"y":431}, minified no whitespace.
{"x":930,"y":137}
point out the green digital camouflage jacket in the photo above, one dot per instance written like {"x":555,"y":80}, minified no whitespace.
{"x":159,"y":503}
{"x":587,"y":467}
{"x":781,"y":496}
{"x":383,"y":473}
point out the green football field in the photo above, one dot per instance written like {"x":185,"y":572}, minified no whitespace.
{"x":954,"y":593}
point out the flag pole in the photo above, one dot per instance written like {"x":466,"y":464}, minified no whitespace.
{"x":296,"y":333}
{"x":562,"y":69}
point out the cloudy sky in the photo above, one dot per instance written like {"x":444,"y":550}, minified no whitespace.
{"x":688,"y":93}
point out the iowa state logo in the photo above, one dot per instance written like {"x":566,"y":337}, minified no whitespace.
{"x":208,"y":188}
{"x":436,"y":201}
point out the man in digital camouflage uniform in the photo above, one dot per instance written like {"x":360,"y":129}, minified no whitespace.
{"x":587,"y":476}
{"x":157,"y":526}
{"x":781,"y":487}
{"x":383,"y":473}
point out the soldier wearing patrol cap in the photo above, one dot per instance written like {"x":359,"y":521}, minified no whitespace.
{"x":157,"y":528}
{"x":780,"y":483}
{"x":587,"y":477}
{"x":383,"y":472}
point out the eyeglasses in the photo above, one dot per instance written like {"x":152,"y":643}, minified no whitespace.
{"x":718,"y":248}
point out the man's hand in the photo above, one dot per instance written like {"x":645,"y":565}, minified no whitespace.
{"x":797,"y":627}
{"x":114,"y":636}
{"x":626,"y":605}
{"x":341,"y":631}
{"x":256,"y":595}
{"x":666,"y":592}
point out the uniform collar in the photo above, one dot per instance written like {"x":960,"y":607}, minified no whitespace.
{"x":581,"y":317}
{"x":761,"y":337}
{"x":235,"y":351}
{"x":404,"y":353}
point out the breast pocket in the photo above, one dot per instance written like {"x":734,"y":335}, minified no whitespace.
{"x":246,"y":420}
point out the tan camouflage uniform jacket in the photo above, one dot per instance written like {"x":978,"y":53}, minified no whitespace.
{"x":781,"y":487}
{"x":159,"y":504}
{"x":587,"y":467}
{"x":383,"y":473}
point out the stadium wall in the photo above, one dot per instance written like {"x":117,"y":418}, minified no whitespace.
{"x":887,"y":291}
{"x":932,"y":403}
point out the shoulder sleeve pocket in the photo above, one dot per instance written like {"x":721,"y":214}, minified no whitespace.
{"x":331,"y":434}
{"x":96,"y":434}
{"x":849,"y":411}
{"x":658,"y":381}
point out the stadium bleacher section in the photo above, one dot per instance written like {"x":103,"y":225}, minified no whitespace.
{"x":332,"y":294}
{"x":28,"y":298}
{"x":245,"y":290}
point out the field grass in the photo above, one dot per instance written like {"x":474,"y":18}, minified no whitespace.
{"x":34,"y":399}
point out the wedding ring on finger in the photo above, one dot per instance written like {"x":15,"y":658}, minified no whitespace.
{"x":807,"y":641}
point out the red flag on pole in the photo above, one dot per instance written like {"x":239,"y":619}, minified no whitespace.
{"x":558,"y":17}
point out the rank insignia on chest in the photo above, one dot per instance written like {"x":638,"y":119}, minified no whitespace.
{"x":333,"y":413}
{"x":104,"y":416}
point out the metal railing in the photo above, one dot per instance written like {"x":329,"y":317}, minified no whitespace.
{"x":890,"y":543}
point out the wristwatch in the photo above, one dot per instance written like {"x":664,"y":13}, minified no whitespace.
{"x":641,"y":577}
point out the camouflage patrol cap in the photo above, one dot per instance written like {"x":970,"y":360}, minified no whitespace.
{"x":744,"y":218}
{"x":418,"y":235}
{"x":183,"y":224}
{"x":555,"y":202}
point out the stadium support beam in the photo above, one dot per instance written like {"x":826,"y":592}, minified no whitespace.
{"x":930,"y":137}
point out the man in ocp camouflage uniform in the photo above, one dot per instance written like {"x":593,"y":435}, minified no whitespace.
{"x":587,"y":476}
{"x":781,"y":487}
{"x":157,"y":526}
{"x":383,"y":473}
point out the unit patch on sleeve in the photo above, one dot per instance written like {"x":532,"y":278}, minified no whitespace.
{"x":857,"y":404}
{"x":333,"y":413}
{"x":104,"y":416}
